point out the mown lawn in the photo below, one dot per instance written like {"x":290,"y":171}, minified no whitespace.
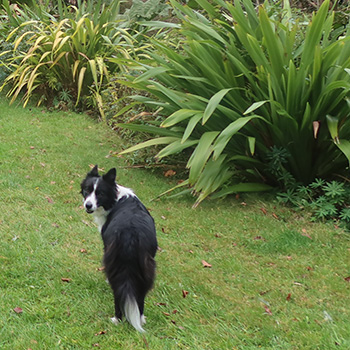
{"x":276,"y":280}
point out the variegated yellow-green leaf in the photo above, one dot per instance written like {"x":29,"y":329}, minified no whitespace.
{"x":153,"y":142}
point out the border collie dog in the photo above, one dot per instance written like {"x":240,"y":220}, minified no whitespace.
{"x":129,"y":239}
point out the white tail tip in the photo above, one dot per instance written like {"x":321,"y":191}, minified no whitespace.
{"x":132,"y":314}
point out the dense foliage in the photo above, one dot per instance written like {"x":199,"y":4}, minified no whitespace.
{"x":256,"y":96}
{"x":249,"y":97}
{"x":68,"y":56}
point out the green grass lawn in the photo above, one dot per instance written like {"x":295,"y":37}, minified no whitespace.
{"x":276,"y":280}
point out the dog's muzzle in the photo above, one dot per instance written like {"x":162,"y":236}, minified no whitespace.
{"x":89,"y":207}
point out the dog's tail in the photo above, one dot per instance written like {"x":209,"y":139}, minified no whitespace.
{"x":132,"y":313}
{"x":126,"y":299}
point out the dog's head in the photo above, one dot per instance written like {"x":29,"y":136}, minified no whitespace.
{"x":99,"y":191}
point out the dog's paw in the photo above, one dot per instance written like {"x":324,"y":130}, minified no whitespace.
{"x":143,"y":320}
{"x":115,"y":320}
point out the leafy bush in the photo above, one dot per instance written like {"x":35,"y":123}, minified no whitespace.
{"x":148,"y":10}
{"x":70,"y":57}
{"x":327,"y":200}
{"x":243,"y":83}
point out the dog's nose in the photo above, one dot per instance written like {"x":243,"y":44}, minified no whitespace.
{"x":88,"y":206}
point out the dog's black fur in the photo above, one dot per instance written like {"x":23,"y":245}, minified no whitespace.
{"x":130,"y":242}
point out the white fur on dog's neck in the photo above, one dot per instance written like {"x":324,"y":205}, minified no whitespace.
{"x":100,"y":217}
{"x":124,"y":192}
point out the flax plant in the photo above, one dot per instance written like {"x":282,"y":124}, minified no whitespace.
{"x":244,"y":81}
{"x":72,"y":54}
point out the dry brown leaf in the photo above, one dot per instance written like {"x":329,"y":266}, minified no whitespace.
{"x":206,"y":264}
{"x":267,"y":310}
{"x":67,"y":280}
{"x":101,"y":333}
{"x":18,"y":310}
{"x":169,"y":173}
{"x":264,"y":210}
{"x":305,"y":234}
{"x":50,"y":200}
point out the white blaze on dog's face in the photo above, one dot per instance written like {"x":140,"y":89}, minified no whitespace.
{"x":90,"y":199}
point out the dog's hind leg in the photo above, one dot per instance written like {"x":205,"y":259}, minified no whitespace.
{"x":141,"y":305}
{"x":118,"y":313}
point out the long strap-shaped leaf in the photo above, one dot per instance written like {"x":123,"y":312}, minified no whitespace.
{"x":213,"y":104}
{"x":201,"y":155}
{"x":314,"y":34}
{"x":153,"y":142}
{"x":226,"y":135}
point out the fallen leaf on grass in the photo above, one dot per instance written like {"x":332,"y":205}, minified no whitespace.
{"x":305,"y":234}
{"x":83,"y":250}
{"x":184,"y":293}
{"x":347,"y":279}
{"x":264,"y":211}
{"x":18,"y":310}
{"x":101,"y":333}
{"x":267,"y":310}
{"x":257,"y":238}
{"x":161,"y":304}
{"x":264,"y":292}
{"x":170,"y":173}
{"x":205,"y":264}
{"x":289,"y":296}
{"x":166,"y":313}
{"x":67,"y":280}
{"x":50,"y":200}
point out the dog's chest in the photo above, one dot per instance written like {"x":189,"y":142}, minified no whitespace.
{"x":100,"y":217}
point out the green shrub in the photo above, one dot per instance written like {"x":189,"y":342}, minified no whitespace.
{"x":68,"y":57}
{"x":327,"y":200}
{"x":242,"y":84}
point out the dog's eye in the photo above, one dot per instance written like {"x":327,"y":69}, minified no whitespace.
{"x":85,"y":193}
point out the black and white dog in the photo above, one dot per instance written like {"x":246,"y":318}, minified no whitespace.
{"x":130,"y":242}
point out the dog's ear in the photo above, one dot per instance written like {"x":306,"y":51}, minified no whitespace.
{"x":93,"y":172}
{"x":110,"y":176}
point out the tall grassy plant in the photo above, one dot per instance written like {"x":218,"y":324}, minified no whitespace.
{"x":244,"y":82}
{"x":70,"y":55}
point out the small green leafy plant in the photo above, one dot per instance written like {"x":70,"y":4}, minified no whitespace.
{"x":327,"y":200}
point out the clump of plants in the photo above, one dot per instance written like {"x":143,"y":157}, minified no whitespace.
{"x":327,"y":200}
{"x":238,"y":82}
{"x":67,"y":59}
